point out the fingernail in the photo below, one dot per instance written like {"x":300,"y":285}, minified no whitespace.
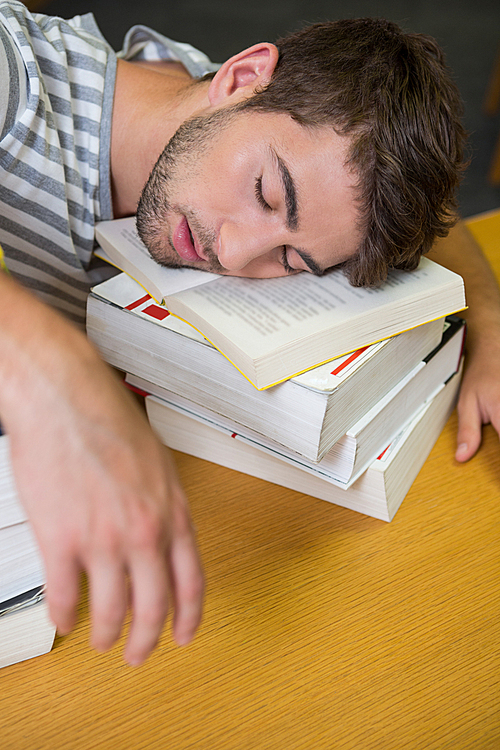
{"x":184,"y":639}
{"x":133,"y":662}
{"x":462,"y":448}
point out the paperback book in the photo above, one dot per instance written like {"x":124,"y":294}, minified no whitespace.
{"x":21,"y":567}
{"x":26,"y":630}
{"x":25,"y":627}
{"x":306,"y":414}
{"x":371,"y":434}
{"x":378,"y":492}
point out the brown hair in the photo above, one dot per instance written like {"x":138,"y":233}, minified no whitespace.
{"x":393,"y":94}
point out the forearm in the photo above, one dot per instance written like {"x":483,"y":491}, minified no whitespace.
{"x":461,"y":253}
{"x":41,"y":353}
{"x":100,"y":490}
{"x":479,"y":401}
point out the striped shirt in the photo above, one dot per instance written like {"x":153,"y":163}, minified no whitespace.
{"x":57,"y":82}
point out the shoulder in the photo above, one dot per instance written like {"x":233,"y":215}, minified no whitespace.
{"x":50,"y":37}
{"x":13,"y":83}
{"x":144,"y":44}
{"x":46,"y":60}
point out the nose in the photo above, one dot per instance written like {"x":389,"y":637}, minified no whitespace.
{"x":239,"y":245}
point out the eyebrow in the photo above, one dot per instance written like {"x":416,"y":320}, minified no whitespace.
{"x":292,"y":212}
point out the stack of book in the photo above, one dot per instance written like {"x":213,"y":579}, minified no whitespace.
{"x":25,"y":627}
{"x":308,"y":382}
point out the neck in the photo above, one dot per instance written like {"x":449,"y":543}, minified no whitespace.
{"x":150,"y":103}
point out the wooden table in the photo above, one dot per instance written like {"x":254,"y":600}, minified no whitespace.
{"x":324,"y":629}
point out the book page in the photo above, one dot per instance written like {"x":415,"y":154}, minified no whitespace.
{"x":123,"y":248}
{"x":123,"y":291}
{"x":126,"y":233}
{"x":270,"y":306}
{"x":11,"y":510}
{"x":292,"y":308}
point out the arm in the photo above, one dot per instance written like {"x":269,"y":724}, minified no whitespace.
{"x":100,"y":490}
{"x":479,"y":401}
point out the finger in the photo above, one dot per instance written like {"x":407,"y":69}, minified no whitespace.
{"x":495,"y":421}
{"x":469,"y":428}
{"x":188,"y":586}
{"x":149,"y":586}
{"x":185,"y":568}
{"x":62,"y":590}
{"x":108,"y":601}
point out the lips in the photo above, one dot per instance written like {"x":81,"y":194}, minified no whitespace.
{"x":183,"y":242}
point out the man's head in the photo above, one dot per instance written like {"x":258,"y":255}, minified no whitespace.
{"x":361,"y":117}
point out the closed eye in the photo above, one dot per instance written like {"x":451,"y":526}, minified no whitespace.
{"x":286,"y":265}
{"x":259,"y":195}
{"x":265,"y":205}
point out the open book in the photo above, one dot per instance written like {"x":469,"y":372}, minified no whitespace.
{"x":273,"y":329}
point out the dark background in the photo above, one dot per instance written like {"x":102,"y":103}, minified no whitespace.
{"x":468,"y":30}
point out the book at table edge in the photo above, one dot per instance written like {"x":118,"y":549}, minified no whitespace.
{"x":103,"y":255}
{"x":22,"y":601}
{"x":443,"y":402}
{"x":26,"y":628}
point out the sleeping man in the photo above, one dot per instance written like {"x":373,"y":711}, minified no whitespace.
{"x":339,"y":145}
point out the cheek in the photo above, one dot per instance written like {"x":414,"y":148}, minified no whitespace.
{"x":231,"y":169}
{"x":222,"y":194}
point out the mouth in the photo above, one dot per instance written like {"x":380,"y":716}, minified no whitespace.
{"x":184,"y":242}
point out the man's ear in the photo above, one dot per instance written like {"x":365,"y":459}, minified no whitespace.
{"x":239,"y":76}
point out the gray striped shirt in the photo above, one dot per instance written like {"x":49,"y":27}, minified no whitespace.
{"x":56,"y":93}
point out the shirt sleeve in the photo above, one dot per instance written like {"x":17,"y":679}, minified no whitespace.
{"x":13,"y":82}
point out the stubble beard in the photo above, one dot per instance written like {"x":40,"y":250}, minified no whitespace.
{"x":179,"y":158}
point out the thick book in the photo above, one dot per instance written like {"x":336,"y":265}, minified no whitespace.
{"x":371,"y":434}
{"x":11,"y":510}
{"x":378,"y":492}
{"x":21,"y":566}
{"x":306,"y":414}
{"x":273,"y":329}
{"x":26,"y":630}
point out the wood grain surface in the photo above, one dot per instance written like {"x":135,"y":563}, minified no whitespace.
{"x":323,"y":629}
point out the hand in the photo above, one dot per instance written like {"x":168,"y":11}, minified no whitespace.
{"x":479,"y":399}
{"x":103,"y":496}
{"x":100,"y":490}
